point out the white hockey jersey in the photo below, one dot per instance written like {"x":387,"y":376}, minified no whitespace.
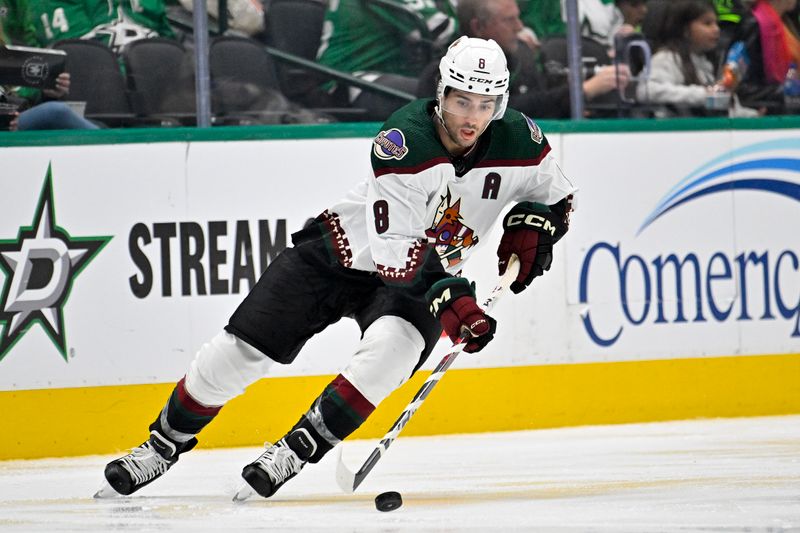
{"x":419,"y":199}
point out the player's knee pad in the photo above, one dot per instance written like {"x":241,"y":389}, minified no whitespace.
{"x":223,"y":368}
{"x":386,"y":356}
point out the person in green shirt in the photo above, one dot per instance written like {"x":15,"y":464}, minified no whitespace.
{"x":63,"y":19}
{"x":385,"y":45}
{"x":543,"y":17}
{"x":16,"y":23}
{"x":732,"y":11}
{"x":598,"y":19}
{"x":25,"y":108}
{"x":115,"y":22}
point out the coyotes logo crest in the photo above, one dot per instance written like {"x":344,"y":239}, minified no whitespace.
{"x":448,"y":233}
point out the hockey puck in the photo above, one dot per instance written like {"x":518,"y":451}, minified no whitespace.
{"x":388,"y":501}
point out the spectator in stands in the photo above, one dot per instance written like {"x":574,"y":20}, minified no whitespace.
{"x":16,"y":23}
{"x":544,"y":17}
{"x":682,"y":73}
{"x":631,"y":14}
{"x":529,"y":92}
{"x":56,"y":20}
{"x":791,"y":21}
{"x":34,"y":110}
{"x":386,"y":45}
{"x":600,"y":20}
{"x":730,"y":14}
{"x":114,"y":22}
{"x":244,"y":16}
{"x":51,"y":114}
{"x":606,"y":21}
{"x":627,"y":24}
{"x":767,"y":42}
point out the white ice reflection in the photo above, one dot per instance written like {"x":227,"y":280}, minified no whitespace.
{"x":704,"y":475}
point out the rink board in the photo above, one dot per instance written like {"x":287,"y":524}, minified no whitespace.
{"x":94,"y":420}
{"x":676,"y":294}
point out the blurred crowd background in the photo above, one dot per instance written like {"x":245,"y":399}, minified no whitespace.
{"x":131,"y":63}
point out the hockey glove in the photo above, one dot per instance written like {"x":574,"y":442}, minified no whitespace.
{"x":530,"y":230}
{"x":452,"y":301}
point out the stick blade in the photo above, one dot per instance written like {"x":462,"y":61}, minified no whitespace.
{"x":345,"y":477}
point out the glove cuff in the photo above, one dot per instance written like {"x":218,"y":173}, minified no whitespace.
{"x":446,"y":291}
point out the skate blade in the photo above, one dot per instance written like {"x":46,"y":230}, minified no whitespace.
{"x":106,"y":491}
{"x":244,"y":492}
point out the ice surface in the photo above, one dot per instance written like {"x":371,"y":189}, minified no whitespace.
{"x":702,"y":475}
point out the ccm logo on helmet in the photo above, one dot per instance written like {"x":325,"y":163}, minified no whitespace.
{"x":479,"y":80}
{"x":531,"y":220}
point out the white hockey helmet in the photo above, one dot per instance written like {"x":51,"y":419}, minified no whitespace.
{"x":475,"y":66}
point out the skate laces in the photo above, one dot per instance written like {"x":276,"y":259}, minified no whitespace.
{"x":145,"y":463}
{"x":279,"y":462}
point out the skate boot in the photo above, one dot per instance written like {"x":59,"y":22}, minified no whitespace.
{"x":280,"y":463}
{"x":143,"y":465}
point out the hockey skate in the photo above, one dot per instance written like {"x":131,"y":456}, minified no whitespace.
{"x":143,"y":465}
{"x":280,"y":463}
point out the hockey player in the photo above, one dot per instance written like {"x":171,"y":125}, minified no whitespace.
{"x":388,"y":255}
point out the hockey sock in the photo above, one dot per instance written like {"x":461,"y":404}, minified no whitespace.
{"x":183,"y":417}
{"x":335,"y":414}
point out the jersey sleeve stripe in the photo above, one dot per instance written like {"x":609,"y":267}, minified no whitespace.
{"x":411,"y":170}
{"x":515,"y":162}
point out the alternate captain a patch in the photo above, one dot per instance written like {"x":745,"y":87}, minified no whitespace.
{"x":536,"y":132}
{"x":390,"y":144}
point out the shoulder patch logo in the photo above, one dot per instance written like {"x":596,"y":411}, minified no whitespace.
{"x":390,"y":144}
{"x":536,"y":132}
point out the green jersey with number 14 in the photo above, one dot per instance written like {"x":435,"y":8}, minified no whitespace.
{"x":66,"y":19}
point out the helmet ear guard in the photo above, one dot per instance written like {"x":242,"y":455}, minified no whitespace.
{"x":475,"y":66}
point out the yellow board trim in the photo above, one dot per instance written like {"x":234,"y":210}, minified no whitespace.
{"x":99,"y":420}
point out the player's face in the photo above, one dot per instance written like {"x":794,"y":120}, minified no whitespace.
{"x":466,"y":115}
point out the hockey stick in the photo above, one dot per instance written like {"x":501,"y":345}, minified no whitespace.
{"x":349,"y":481}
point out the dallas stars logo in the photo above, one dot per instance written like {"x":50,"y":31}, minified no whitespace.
{"x":40,"y":266}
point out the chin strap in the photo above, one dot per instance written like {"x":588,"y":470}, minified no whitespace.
{"x":438,"y":111}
